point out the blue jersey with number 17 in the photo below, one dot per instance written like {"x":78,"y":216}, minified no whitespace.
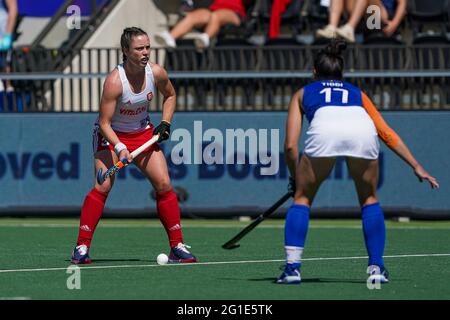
{"x":329,"y":93}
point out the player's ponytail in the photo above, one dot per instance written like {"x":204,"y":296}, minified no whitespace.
{"x":335,"y":47}
{"x":328,"y":63}
{"x":127,"y":35}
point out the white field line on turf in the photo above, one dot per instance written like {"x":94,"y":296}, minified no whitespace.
{"x":224,"y":262}
{"x":221,"y":226}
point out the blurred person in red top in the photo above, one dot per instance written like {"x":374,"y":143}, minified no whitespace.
{"x":278,"y":8}
{"x":211,"y":19}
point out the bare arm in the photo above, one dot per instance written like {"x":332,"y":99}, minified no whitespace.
{"x":166,"y":88}
{"x":403,"y":152}
{"x":293,"y":131}
{"x":112,"y":90}
{"x":395,"y":143}
{"x":12,"y":15}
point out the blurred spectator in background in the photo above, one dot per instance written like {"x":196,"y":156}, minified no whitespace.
{"x":278,"y":8}
{"x":219,"y":13}
{"x":355,"y":10}
{"x":8,"y":18}
{"x":392,"y":14}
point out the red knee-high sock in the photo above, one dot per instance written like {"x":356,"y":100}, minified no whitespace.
{"x":90,"y":215}
{"x":169,"y":214}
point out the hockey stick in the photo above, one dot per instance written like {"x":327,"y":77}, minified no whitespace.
{"x":124,"y":162}
{"x":232,"y":244}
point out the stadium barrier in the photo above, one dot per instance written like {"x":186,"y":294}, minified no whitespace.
{"x":229,"y":78}
{"x":46,"y":167}
{"x":227,"y":91}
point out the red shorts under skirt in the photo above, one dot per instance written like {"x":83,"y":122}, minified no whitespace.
{"x":132,"y":140}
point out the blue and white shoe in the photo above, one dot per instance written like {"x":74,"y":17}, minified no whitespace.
{"x":181,"y":254}
{"x":378,"y":274}
{"x":80,"y":255}
{"x":291,"y":274}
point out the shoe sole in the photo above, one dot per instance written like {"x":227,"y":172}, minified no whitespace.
{"x":289,"y":280}
{"x":343,"y":36}
{"x":73,"y":261}
{"x":191,"y":260}
{"x":326,"y":36}
{"x":162,"y":41}
{"x":199,"y":44}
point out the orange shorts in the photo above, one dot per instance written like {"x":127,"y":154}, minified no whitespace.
{"x":132,"y":140}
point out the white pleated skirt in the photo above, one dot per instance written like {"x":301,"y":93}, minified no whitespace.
{"x":342,"y":131}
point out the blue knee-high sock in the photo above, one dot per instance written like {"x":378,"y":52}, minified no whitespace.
{"x":296,"y":227}
{"x":374,"y":233}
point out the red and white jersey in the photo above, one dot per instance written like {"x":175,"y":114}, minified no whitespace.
{"x":131,"y":109}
